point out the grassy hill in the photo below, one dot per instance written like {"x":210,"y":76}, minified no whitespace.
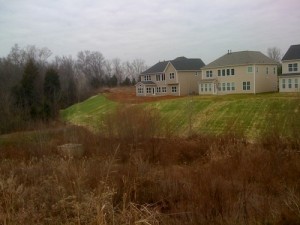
{"x":251,"y":115}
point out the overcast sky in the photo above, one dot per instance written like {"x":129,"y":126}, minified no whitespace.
{"x":153,"y":30}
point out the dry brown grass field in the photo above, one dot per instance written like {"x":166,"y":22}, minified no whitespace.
{"x":129,"y":176}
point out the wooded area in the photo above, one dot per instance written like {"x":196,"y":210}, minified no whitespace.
{"x":34,"y":85}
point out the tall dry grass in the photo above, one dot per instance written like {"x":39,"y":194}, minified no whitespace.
{"x":131,"y":175}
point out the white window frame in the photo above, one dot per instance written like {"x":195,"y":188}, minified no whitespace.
{"x":223,"y":86}
{"x":148,"y":90}
{"x":201,"y":87}
{"x":174,"y":89}
{"x":223,"y":72}
{"x":158,"y":77}
{"x":228,"y":87}
{"x":289,"y":83}
{"x":172,"y":76}
{"x":209,"y":73}
{"x":233,"y":86}
{"x":163,"y":89}
{"x":147,"y":77}
{"x":209,"y":87}
{"x":140,"y":90}
{"x":283,"y":83}
{"x":293,"y":67}
{"x":232,"y":72}
{"x":250,"y":69}
{"x":246,"y":85}
{"x":228,"y":72}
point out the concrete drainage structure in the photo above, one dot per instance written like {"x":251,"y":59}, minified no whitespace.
{"x":71,"y":151}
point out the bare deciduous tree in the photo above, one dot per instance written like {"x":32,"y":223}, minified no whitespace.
{"x":117,"y":69}
{"x":274,"y":53}
{"x":92,"y":64}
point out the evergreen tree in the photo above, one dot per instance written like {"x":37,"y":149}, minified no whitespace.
{"x":126,"y":82}
{"x":26,"y":93}
{"x":113,"y":81}
{"x":51,"y":93}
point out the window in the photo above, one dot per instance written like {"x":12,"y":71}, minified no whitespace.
{"x":158,"y":77}
{"x":283,"y":83}
{"x":164,"y":89}
{"x":233,"y":86}
{"x":163,"y":76}
{"x":205,"y":89}
{"x":223,"y":86}
{"x":209,"y":87}
{"x":147,"y":77}
{"x":232,"y":71}
{"x":293,"y":67}
{"x":228,"y":86}
{"x":201,"y":87}
{"x":290,"y":83}
{"x":250,"y":69}
{"x":174,"y":89}
{"x":209,"y":73}
{"x":267,"y":70}
{"x":219,"y":73}
{"x":296,"y":83}
{"x":223,"y":72}
{"x":274,"y":70}
{"x":172,"y":75}
{"x":148,"y":90}
{"x":158,"y":89}
{"x":228,"y":72}
{"x":140,"y":90}
{"x":246,"y":86}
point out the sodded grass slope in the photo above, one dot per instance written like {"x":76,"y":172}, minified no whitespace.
{"x":251,"y":115}
{"x":90,"y":112}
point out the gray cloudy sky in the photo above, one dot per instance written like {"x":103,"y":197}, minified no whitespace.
{"x":150,"y":29}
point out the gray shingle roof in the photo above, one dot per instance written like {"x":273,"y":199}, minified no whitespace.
{"x":292,"y":53}
{"x":157,"y":68}
{"x":180,"y":63}
{"x":241,"y":58}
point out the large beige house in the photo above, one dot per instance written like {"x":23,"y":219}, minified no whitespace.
{"x":239,"y":72}
{"x":175,"y":77}
{"x":290,"y":78}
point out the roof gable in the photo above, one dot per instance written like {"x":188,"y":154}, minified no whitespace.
{"x":241,"y":58}
{"x":180,"y":63}
{"x":292,"y":53}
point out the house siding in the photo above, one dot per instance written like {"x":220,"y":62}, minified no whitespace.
{"x":289,"y":82}
{"x":259,"y":80}
{"x":189,"y":82}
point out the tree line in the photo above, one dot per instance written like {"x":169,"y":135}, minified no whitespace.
{"x":34,"y":88}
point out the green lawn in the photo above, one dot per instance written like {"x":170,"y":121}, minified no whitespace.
{"x":249,"y":114}
{"x":90,"y":112}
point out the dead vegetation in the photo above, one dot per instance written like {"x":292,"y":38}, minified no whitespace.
{"x":131,"y":175}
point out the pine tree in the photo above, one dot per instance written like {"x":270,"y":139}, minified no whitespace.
{"x":51,"y":93}
{"x":26,"y":93}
